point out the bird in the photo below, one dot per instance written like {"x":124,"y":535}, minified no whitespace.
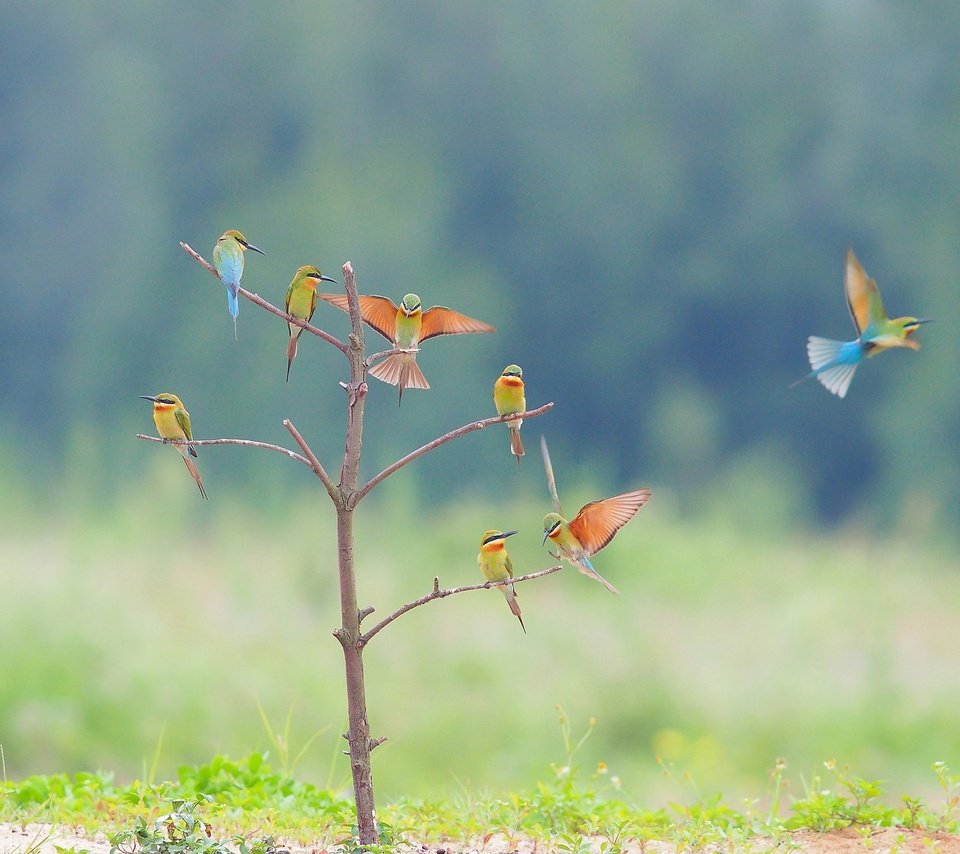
{"x":509,"y":398}
{"x":495,"y":565}
{"x":228,"y":259}
{"x":173,"y":422}
{"x":834,"y":363}
{"x":301,"y":302}
{"x":406,"y":327}
{"x":591,"y":529}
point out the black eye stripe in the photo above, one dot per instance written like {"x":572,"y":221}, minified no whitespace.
{"x":491,"y":539}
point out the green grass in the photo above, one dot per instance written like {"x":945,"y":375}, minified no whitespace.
{"x":248,"y":805}
{"x":145,"y":632}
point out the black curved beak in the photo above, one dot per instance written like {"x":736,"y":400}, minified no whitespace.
{"x":328,"y":279}
{"x":506,"y":534}
{"x":925,"y":320}
{"x":545,"y":535}
{"x":255,"y":249}
{"x":147,"y":397}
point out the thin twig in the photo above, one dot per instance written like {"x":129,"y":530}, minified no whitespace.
{"x":376,"y":357}
{"x":260,"y":301}
{"x":551,"y":481}
{"x":437,"y":593}
{"x":442,"y":440}
{"x":314,"y":463}
{"x":250,"y":443}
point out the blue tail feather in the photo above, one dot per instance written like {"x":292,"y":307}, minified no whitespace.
{"x":233,"y":302}
{"x":834,"y":362}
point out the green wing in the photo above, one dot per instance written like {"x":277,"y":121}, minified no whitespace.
{"x":183,"y":419}
{"x":509,"y":565}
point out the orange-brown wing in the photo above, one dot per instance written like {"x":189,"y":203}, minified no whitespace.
{"x":377,"y":312}
{"x":597,"y":522}
{"x":863,"y":297}
{"x":440,"y":320}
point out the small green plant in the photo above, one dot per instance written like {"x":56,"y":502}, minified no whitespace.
{"x":184,"y":831}
{"x":950,"y":783}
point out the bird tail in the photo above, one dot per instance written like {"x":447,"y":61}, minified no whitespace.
{"x":292,"y":348}
{"x":587,"y":568}
{"x":510,"y":594}
{"x":400,"y":369}
{"x":516,"y":443}
{"x":233,"y":305}
{"x":832,"y":371}
{"x":192,"y":467}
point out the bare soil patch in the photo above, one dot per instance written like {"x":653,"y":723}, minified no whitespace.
{"x":47,"y":839}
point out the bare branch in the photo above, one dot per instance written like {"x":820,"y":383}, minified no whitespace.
{"x":551,"y":481}
{"x":260,"y":301}
{"x":376,"y":357}
{"x":357,"y":388}
{"x":247,"y":442}
{"x":442,"y":440}
{"x":313,"y":462}
{"x":437,"y":593}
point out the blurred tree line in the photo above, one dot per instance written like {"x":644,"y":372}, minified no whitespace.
{"x":649,"y":200}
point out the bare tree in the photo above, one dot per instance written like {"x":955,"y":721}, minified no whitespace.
{"x":346,"y":495}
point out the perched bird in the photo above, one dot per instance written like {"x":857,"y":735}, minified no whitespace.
{"x":406,"y":327}
{"x":228,"y":259}
{"x":300,"y":302}
{"x":591,"y":529}
{"x":835,"y":362}
{"x":173,"y":422}
{"x":495,"y":564}
{"x":508,"y":397}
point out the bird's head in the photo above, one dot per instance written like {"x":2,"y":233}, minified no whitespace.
{"x":410,"y":304}
{"x":238,"y":236}
{"x":312,"y":276}
{"x":493,"y":539}
{"x":551,"y":525}
{"x":909,"y":325}
{"x":512,"y":371}
{"x":164,"y":400}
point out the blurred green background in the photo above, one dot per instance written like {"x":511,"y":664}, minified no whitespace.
{"x":651,"y":202}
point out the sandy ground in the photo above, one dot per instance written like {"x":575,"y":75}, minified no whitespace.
{"x":44,"y":839}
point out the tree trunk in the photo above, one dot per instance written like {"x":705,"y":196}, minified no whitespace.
{"x":358,"y":734}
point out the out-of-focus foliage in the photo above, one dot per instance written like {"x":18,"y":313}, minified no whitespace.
{"x":649,"y":200}
{"x":146,"y":629}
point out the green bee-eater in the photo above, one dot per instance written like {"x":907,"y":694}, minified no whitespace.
{"x":509,"y":398}
{"x":406,"y":327}
{"x":835,"y":362}
{"x":228,"y":259}
{"x":495,"y":564}
{"x":173,"y":422}
{"x":301,"y":302}
{"x":591,"y":529}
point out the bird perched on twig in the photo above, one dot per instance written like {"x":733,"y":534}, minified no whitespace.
{"x":495,"y":564}
{"x":301,"y":302}
{"x":509,"y":398}
{"x":228,"y":260}
{"x":173,"y":422}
